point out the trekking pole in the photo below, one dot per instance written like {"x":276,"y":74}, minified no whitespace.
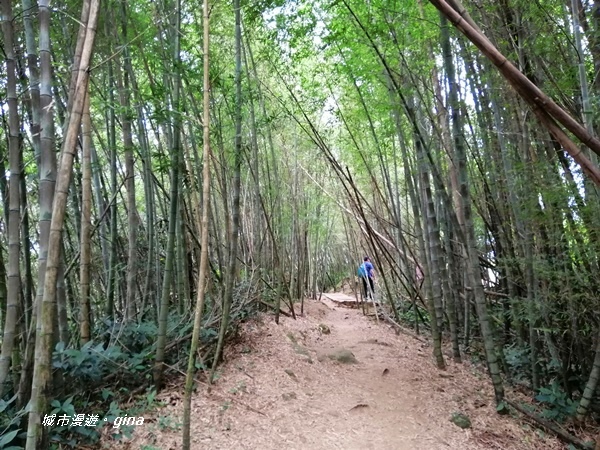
{"x":364,"y":294}
{"x":372,"y":292}
{"x":358,"y":288}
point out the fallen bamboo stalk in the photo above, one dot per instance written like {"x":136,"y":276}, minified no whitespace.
{"x":562,"y":434}
{"x":262,"y":302}
{"x":400,"y":328}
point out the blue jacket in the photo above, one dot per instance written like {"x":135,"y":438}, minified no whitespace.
{"x":366,"y":269}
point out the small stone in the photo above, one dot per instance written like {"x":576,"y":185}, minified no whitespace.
{"x":291,"y":374}
{"x":324,"y":329}
{"x":301,"y":350}
{"x":460,"y":420}
{"x":289,"y":396}
{"x":306,"y":358}
{"x":343,"y":356}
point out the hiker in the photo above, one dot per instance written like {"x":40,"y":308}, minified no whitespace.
{"x":366,"y":271}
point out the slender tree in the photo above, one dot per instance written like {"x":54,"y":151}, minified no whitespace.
{"x":14,"y":204}
{"x":473,"y":268}
{"x":44,"y":339}
{"x":86,"y":226}
{"x":204,"y":231}
{"x":235,"y":213}
{"x":173,"y":211}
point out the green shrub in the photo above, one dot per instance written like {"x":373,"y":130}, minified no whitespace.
{"x":559,"y":405}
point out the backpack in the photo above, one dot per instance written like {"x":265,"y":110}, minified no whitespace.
{"x":362,"y":271}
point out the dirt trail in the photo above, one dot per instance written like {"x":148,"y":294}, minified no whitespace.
{"x":277,"y":390}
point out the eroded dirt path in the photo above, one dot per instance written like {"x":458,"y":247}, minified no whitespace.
{"x":277,"y":390}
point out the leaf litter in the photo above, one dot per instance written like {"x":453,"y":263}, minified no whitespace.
{"x":409,"y":408}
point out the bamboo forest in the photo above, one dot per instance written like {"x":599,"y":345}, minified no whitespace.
{"x":300,"y":224}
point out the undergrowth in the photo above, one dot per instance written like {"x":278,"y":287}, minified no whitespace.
{"x":110,"y":377}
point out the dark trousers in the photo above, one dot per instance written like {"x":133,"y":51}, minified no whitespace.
{"x":368,"y":294}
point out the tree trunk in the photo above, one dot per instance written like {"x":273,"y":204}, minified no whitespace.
{"x":590,"y":387}
{"x":235,"y":213}
{"x":473,"y":267}
{"x":430,"y":265}
{"x":202,"y":272}
{"x":44,"y":340}
{"x":34,"y":89}
{"x":86,"y":226}
{"x":111,"y":285}
{"x":124,"y":97}
{"x":14,"y":206}
{"x":433,"y":239}
{"x":173,"y":211}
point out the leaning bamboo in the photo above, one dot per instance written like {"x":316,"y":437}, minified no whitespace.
{"x":526,"y":88}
